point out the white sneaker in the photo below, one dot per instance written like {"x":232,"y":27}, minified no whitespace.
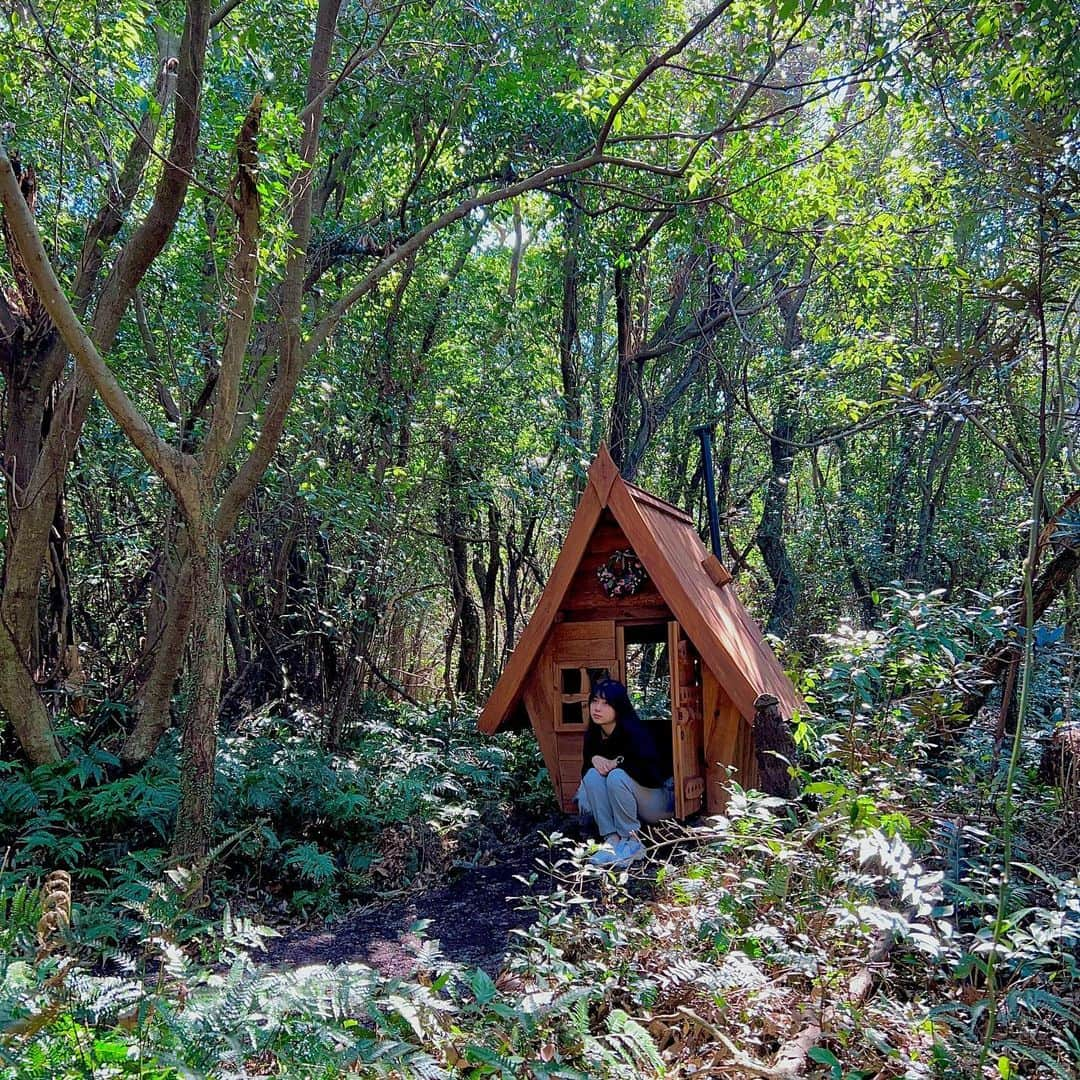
{"x":606,"y":855}
{"x":627,"y":852}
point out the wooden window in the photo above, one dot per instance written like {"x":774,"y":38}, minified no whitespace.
{"x":573,"y":700}
{"x":573,"y":689}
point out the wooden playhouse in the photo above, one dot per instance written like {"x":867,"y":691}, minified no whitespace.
{"x":717,"y":660}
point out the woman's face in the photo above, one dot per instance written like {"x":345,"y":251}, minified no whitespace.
{"x":602,"y":713}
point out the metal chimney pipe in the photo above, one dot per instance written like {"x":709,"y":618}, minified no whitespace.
{"x":705,"y":433}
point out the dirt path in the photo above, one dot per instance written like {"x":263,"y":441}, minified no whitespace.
{"x":471,"y":916}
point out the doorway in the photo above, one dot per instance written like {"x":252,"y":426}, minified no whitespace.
{"x":663,"y":674}
{"x":645,"y":655}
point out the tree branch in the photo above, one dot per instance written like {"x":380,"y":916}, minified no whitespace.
{"x":165,"y":461}
{"x":245,"y":200}
{"x":292,"y":354}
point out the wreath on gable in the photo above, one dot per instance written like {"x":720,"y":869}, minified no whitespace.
{"x":622,"y":575}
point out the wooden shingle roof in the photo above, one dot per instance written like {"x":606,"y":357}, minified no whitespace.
{"x":665,"y":539}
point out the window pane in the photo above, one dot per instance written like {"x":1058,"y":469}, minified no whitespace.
{"x":573,"y":713}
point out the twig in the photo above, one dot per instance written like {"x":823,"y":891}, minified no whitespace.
{"x":739,"y":1058}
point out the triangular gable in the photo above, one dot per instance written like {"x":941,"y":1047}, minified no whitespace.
{"x":511,"y":684}
{"x":666,"y":542}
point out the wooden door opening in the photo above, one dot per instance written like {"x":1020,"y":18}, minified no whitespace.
{"x":664,"y":678}
{"x":643,"y":655}
{"x":581,"y":654}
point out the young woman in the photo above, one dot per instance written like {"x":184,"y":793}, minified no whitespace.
{"x":624,"y":775}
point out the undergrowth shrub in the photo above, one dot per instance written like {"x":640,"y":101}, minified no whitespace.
{"x":921,"y":790}
{"x":738,"y":934}
{"x":718,"y":954}
{"x":301,"y":827}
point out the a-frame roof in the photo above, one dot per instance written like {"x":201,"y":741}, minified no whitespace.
{"x":665,"y":540}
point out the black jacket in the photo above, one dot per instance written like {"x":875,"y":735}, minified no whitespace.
{"x":634,"y":743}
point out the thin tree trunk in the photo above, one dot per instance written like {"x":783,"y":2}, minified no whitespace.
{"x":153,"y":702}
{"x":486,"y":573}
{"x":898,"y":483}
{"x":1048,"y":586}
{"x":843,"y":528}
{"x":932,"y":488}
{"x":452,"y":523}
{"x":596,"y":367}
{"x":198,"y":756}
{"x":770,"y":534}
{"x":568,"y":332}
{"x":627,"y":373}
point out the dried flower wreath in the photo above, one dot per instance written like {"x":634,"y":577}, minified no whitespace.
{"x":622,"y":574}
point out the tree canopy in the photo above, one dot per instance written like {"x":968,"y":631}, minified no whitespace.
{"x":313,"y":315}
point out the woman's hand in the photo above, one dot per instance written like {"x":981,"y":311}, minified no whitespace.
{"x":604,"y":765}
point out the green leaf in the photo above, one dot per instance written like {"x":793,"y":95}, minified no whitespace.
{"x":482,"y":986}
{"x":826,"y":1057}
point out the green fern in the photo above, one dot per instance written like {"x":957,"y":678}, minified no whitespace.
{"x":20,"y":910}
{"x":311,"y":863}
{"x":634,"y":1043}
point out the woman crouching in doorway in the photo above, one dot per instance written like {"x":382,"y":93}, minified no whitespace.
{"x":625,"y":776}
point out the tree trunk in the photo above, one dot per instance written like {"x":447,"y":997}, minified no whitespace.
{"x":24,"y":705}
{"x":486,"y":573}
{"x":844,"y":531}
{"x":165,"y":654}
{"x":568,"y":335}
{"x":897,"y":485}
{"x":1047,"y":587}
{"x":452,"y":522}
{"x":342,"y":704}
{"x":596,"y":369}
{"x":932,"y":490}
{"x":198,"y":754}
{"x":518,"y":556}
{"x":770,"y":534}
{"x":46,"y":447}
{"x":62,"y":667}
{"x":628,"y":371}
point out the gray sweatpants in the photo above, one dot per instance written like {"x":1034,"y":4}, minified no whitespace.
{"x":619,"y":803}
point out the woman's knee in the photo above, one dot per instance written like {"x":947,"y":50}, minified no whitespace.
{"x":593,"y":779}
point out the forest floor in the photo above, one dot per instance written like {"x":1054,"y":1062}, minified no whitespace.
{"x":470,"y":908}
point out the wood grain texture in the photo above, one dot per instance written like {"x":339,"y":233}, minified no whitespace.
{"x":687,"y":724}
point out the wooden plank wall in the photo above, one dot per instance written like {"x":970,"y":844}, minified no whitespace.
{"x":539,"y":698}
{"x":728,"y":741}
{"x":585,"y":598}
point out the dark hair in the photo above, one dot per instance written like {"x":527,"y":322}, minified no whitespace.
{"x":614,"y":693}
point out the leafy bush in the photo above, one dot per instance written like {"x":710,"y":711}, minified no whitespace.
{"x":306,"y":826}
